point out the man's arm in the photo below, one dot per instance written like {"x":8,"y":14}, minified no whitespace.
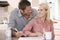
{"x":12,"y":22}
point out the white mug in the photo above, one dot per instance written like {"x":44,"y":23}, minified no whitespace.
{"x":48,"y":35}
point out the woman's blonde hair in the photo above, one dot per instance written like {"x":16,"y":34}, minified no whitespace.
{"x":45,"y":5}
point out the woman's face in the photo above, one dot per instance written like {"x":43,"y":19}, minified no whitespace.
{"x":42,"y":11}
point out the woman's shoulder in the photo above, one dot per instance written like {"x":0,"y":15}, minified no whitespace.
{"x":51,"y":22}
{"x":33,"y":20}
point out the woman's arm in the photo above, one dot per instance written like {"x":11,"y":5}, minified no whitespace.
{"x":28,"y":27}
{"x":37,"y":34}
{"x":52,"y":30}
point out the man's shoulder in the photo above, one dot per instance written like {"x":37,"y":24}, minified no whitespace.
{"x":34,"y":12}
{"x":33,"y":9}
{"x":14,"y":11}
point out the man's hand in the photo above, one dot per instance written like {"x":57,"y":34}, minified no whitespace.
{"x":19,"y":34}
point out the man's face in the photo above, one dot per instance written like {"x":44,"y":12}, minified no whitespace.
{"x":27,"y":11}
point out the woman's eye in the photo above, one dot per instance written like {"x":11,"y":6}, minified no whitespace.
{"x":46,"y":9}
{"x":41,"y":9}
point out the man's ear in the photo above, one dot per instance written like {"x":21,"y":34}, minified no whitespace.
{"x":21,"y":11}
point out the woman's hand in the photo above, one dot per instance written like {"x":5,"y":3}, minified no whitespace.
{"x":37,"y":34}
{"x":32,"y":34}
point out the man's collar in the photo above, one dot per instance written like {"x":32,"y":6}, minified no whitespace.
{"x":19,"y":13}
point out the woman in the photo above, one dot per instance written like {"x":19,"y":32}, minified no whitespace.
{"x":40,"y":23}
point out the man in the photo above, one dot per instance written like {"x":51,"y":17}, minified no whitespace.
{"x":20,"y":16}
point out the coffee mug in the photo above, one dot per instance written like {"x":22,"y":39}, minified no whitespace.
{"x":48,"y":35}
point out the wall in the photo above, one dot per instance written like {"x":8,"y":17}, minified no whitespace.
{"x":59,"y":8}
{"x":4,"y":11}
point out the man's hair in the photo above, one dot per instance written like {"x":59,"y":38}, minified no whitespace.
{"x":24,"y":0}
{"x":23,"y":4}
